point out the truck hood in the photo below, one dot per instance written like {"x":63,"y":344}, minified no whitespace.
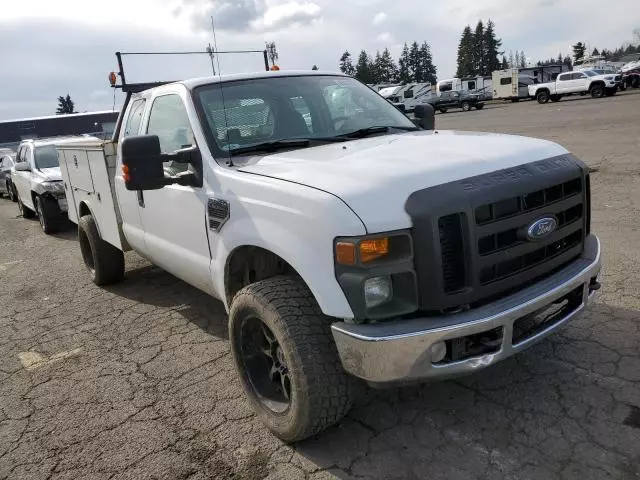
{"x":375,"y":176}
{"x":52,"y":174}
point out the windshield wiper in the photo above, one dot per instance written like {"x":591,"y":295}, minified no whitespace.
{"x":364,"y":132}
{"x":272,"y":146}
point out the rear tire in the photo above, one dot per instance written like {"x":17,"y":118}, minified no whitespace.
{"x":301,"y":389}
{"x":49,"y":214}
{"x":104,"y":261}
{"x":25,"y":212}
{"x":542,"y":97}
{"x":597,"y":91}
{"x":466,"y":106}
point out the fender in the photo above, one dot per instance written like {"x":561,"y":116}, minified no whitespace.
{"x":312,"y":260}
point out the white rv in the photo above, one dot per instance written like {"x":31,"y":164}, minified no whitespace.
{"x":481,"y":86}
{"x":509,"y":84}
{"x":409,"y":95}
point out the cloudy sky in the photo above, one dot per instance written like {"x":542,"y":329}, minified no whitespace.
{"x":52,"y":48}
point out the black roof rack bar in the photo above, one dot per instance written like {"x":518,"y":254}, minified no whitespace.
{"x":139,"y":87}
{"x":123,"y":80}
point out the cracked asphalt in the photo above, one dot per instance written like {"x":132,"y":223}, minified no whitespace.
{"x":136,"y":381}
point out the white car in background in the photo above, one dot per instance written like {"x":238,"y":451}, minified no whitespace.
{"x":38,"y":182}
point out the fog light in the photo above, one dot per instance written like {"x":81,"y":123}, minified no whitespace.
{"x":438,"y":352}
{"x":377,"y":290}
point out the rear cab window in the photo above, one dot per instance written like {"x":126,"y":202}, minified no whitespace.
{"x":134,"y":119}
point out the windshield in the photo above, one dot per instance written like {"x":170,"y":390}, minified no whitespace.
{"x":590,"y":73}
{"x":46,"y":156}
{"x":281,"y":108}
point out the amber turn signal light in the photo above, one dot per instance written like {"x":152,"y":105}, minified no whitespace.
{"x":345,"y":253}
{"x":373,"y":249}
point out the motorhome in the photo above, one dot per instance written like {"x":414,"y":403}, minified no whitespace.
{"x":409,"y":95}
{"x":481,"y":86}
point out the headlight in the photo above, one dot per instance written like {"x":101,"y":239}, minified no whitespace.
{"x":608,"y":78}
{"x":53,"y":186}
{"x":376,"y":274}
{"x":377,"y":290}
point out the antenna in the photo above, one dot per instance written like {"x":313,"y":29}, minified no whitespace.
{"x":224,"y":108}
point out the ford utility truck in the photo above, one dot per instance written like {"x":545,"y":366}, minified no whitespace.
{"x":345,"y":242}
{"x":571,"y":83}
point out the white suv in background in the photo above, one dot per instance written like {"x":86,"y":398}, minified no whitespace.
{"x":38,"y":182}
{"x":570,"y":83}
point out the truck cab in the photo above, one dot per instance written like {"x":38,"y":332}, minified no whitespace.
{"x":346,"y":243}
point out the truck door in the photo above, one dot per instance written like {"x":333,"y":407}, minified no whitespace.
{"x":564,"y":83}
{"x":128,"y":201}
{"x":174,"y":217}
{"x":579,"y":82}
{"x":23,"y":184}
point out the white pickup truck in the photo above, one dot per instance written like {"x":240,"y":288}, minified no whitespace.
{"x":344,"y":241}
{"x":571,"y":83}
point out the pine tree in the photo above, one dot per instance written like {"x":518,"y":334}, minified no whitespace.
{"x":567,"y":61}
{"x":346,"y":65}
{"x":465,"y":54}
{"x":428,"y":69}
{"x":595,"y":52}
{"x":492,"y":50}
{"x":415,"y":72}
{"x":479,"y":51}
{"x":523,"y":60}
{"x":578,"y":51}
{"x":65,"y":105}
{"x":516,"y":60}
{"x":384,"y":67}
{"x":375,"y":68}
{"x":559,"y":57}
{"x":512,"y":62}
{"x":315,"y":67}
{"x":404,"y":76}
{"x":505,"y":64}
{"x":363,"y":68}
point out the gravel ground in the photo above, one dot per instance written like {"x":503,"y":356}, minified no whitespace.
{"x":136,"y":382}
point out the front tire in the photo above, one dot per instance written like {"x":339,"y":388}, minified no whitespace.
{"x":49,"y":215}
{"x":25,"y":212}
{"x":542,"y":97}
{"x":597,"y":91}
{"x":287,"y":360}
{"x":104,"y":261}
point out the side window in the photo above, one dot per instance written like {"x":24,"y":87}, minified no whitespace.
{"x":564,"y":78}
{"x":471,"y":85}
{"x":134,"y":119}
{"x":505,"y":81}
{"x":578,"y":76}
{"x":27,"y":156}
{"x":169,"y":121}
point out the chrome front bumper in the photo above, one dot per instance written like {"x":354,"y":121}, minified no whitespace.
{"x":400,"y":351}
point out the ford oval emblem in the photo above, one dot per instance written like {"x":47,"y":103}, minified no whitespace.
{"x":542,"y":228}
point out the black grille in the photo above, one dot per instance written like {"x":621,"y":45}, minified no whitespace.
{"x":451,"y":246}
{"x":507,"y":268}
{"x":473,"y":232}
{"x":536,"y":200}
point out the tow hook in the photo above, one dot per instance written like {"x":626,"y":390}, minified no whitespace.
{"x":594,"y":285}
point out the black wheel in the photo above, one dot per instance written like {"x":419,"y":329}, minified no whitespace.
{"x":542,"y":97}
{"x":466,"y":106}
{"x":479,"y":106}
{"x":610,"y":92}
{"x":443,"y":110}
{"x":597,"y":91}
{"x":555,"y":98}
{"x":25,"y":212}
{"x":49,"y":214}
{"x":287,"y":359}
{"x":104,"y":261}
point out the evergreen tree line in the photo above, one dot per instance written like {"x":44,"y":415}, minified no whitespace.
{"x":580,"y":51}
{"x":415,"y":65}
{"x":559,"y":60}
{"x":478,"y":51}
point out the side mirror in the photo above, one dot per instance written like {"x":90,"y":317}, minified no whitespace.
{"x":426,"y":116}
{"x":22,"y":167}
{"x":142,"y":163}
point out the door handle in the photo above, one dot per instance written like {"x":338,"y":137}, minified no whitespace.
{"x":140,"y":198}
